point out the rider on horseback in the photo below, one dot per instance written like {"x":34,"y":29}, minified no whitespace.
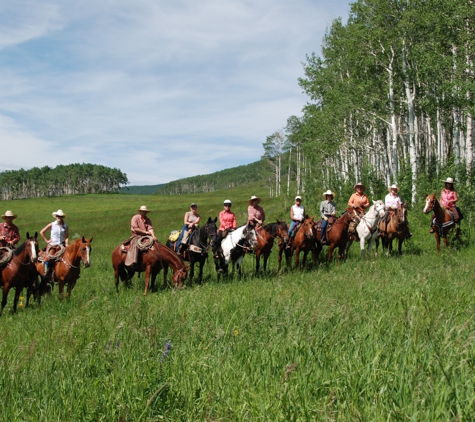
{"x":327,"y":210}
{"x":141,"y":225}
{"x":449,"y":198}
{"x":359,"y":201}
{"x":191,"y":221}
{"x":9,"y":233}
{"x":59,"y":239}
{"x":255,"y":212}
{"x":297,"y":214}
{"x":227,"y":221}
{"x":392,"y":202}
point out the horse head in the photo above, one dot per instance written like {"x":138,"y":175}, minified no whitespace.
{"x":31,"y":246}
{"x":379,"y":208}
{"x":282,"y":231}
{"x":84,"y":251}
{"x":402,"y":213}
{"x":431,"y":201}
{"x":249,"y":235}
{"x":209,"y":231}
{"x":307,"y":227}
{"x":179,"y":276}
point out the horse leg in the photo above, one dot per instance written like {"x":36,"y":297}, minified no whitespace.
{"x":362,"y":242}
{"x":437,"y":238}
{"x":297,"y":253}
{"x":305,"y":253}
{"x":147,"y":279}
{"x":266,"y":257}
{"x":6,"y":289}
{"x":202,"y":264}
{"x":258,"y":260}
{"x":401,"y":239}
{"x":330,"y":252}
{"x":18,"y":291}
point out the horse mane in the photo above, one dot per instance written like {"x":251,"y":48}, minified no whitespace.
{"x":272,"y":228}
{"x":20,"y":249}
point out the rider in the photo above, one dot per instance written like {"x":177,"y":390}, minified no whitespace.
{"x":392,"y":201}
{"x":449,"y":198}
{"x":297,"y":214}
{"x":227,"y":221}
{"x":9,"y":233}
{"x":359,"y":201}
{"x":327,"y":210}
{"x":191,"y":221}
{"x":255,"y":212}
{"x":59,"y":230}
{"x":141,"y":225}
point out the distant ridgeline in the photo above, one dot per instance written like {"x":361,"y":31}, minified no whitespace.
{"x":224,"y":179}
{"x":140,"y":190}
{"x":61,"y":180}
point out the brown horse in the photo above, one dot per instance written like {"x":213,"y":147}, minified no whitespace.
{"x":151,"y":261}
{"x":443,"y":221}
{"x":265,"y":241}
{"x":395,"y":228}
{"x":337,"y":236}
{"x":18,"y":273}
{"x":66,"y":270}
{"x":305,"y":241}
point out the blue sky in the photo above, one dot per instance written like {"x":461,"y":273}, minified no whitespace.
{"x":159,"y":89}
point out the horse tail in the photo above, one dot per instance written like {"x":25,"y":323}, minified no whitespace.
{"x":122,"y":273}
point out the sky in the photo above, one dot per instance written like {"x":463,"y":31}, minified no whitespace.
{"x":159,"y":89}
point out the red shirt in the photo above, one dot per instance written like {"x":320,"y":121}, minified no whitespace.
{"x":360,"y":201}
{"x":256,"y":212}
{"x":227,"y":220}
{"x":140,"y":223}
{"x":12,"y":234}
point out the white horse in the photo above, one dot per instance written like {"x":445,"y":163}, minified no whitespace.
{"x":234,"y":246}
{"x":367,"y":228}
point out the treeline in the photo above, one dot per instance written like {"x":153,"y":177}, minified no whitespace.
{"x":391,"y":97}
{"x":224,"y":179}
{"x":61,"y":180}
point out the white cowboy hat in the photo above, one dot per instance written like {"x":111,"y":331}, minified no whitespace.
{"x":449,"y":180}
{"x":59,"y":213}
{"x":227,"y":202}
{"x":359,"y":184}
{"x":252,"y":199}
{"x":393,"y":186}
{"x":143,"y":208}
{"x":298,"y":197}
{"x":328,"y":192}
{"x":8,"y":213}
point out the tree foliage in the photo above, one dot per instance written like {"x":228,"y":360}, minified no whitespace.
{"x":70,"y":179}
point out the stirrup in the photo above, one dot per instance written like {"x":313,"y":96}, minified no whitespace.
{"x":431,"y":230}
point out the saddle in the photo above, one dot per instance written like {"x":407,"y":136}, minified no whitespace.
{"x":383,"y":224}
{"x":133,"y":246}
{"x":295,"y":230}
{"x":318,"y":228}
{"x":6,"y":254}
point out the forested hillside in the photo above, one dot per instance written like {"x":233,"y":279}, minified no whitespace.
{"x":61,"y":180}
{"x":391,"y":99}
{"x":223,"y":179}
{"x":140,"y":190}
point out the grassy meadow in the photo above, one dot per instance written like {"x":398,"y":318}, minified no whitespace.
{"x":365,"y":340}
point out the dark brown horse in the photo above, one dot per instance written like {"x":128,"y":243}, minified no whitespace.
{"x":19,"y":273}
{"x":265,"y":241}
{"x":304,"y":240}
{"x":337,"y":235}
{"x":67,"y":268}
{"x":395,"y":228}
{"x":443,"y":222}
{"x":151,"y":261}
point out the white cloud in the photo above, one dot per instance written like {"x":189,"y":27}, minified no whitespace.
{"x":158,"y":89}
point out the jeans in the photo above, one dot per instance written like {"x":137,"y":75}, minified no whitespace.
{"x":324,"y":225}
{"x":292,"y":225}
{"x":178,"y":242}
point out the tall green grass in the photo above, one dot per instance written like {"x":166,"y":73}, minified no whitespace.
{"x":375,"y":339}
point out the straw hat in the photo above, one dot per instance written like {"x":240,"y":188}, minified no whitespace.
{"x":359,"y":184}
{"x":143,"y":208}
{"x":7,"y":214}
{"x":449,"y":180}
{"x":252,"y":199}
{"x":393,"y":186}
{"x":328,"y":192}
{"x":59,"y":213}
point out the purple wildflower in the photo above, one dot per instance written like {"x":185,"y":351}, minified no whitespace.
{"x":168,"y":346}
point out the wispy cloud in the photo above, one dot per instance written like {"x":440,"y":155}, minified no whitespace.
{"x":158,"y":89}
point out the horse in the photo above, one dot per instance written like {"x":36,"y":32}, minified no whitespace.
{"x":337,"y":236}
{"x":18,"y":273}
{"x":304,"y":240}
{"x":234,"y":246}
{"x":152,"y":260}
{"x":199,"y":243}
{"x":443,"y":221}
{"x":66,"y":270}
{"x":265,"y":241}
{"x":368,"y":225}
{"x":395,"y":228}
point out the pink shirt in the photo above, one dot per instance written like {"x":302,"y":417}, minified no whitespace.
{"x":139,"y":223}
{"x":11,"y":233}
{"x":227,"y":220}
{"x":448,"y":198}
{"x":256,"y":212}
{"x":392,"y":201}
{"x":357,"y":200}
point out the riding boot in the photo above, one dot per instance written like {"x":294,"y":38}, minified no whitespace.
{"x":432,"y":228}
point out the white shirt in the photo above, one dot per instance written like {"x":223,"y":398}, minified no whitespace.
{"x":58,"y":233}
{"x":299,"y":212}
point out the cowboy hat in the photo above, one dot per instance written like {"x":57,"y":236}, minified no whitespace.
{"x":298,"y":197}
{"x":359,"y":184}
{"x":9,"y":214}
{"x":449,"y":180}
{"x":143,"y":208}
{"x":328,"y":192}
{"x":59,"y":213}
{"x":227,"y":202}
{"x":253,"y":197}
{"x":393,"y":186}
{"x":193,"y":205}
